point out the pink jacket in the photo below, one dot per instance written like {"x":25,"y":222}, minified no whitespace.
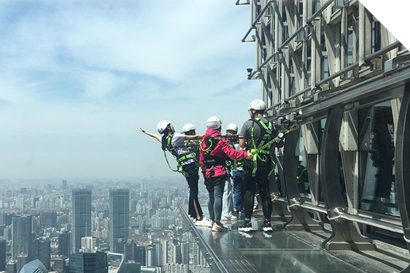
{"x":222,"y":149}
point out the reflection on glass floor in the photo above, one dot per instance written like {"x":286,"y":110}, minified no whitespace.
{"x":285,"y":251}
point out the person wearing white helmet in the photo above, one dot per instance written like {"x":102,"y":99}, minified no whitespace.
{"x":213,"y":151}
{"x":174,"y":143}
{"x":192,"y":145}
{"x":255,"y":133}
{"x":232,"y":209}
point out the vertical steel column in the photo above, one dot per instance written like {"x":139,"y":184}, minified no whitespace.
{"x":345,"y":235}
{"x":279,"y":209}
{"x":301,"y":220}
{"x":402,"y":163}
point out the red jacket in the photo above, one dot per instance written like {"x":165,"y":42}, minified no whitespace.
{"x":222,"y":149}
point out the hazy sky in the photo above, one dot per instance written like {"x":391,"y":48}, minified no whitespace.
{"x":79,"y":78}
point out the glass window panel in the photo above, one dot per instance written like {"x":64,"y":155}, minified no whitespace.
{"x":378,"y":192}
{"x":302,"y":171}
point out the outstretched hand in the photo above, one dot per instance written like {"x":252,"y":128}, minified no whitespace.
{"x":142,"y":130}
{"x":249,"y":155}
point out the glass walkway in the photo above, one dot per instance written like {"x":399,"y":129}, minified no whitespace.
{"x":284,"y":251}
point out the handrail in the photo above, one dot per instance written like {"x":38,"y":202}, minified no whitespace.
{"x":376,"y":54}
{"x":346,"y":216}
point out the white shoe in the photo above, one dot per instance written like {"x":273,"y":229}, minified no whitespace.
{"x":211,"y":223}
{"x":226,"y":218}
{"x":220,"y":227}
{"x":229,"y":218}
{"x":233,"y":217}
{"x":202,"y":222}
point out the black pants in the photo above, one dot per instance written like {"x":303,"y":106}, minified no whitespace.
{"x":192,"y":179}
{"x":262,"y":180}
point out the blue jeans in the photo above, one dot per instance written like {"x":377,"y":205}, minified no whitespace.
{"x":215,"y":197}
{"x":238,"y":190}
{"x":227,"y":201}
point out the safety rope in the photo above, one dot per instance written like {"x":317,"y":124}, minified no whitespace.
{"x":179,"y":170}
{"x":261,"y":150}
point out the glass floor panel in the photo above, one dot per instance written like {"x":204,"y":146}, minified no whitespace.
{"x":288,"y":251}
{"x":296,"y":261}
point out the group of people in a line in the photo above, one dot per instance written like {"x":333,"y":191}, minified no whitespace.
{"x":247,"y":157}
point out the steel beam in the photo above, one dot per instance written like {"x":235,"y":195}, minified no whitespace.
{"x":402,"y":164}
{"x":301,"y":220}
{"x":345,"y":235}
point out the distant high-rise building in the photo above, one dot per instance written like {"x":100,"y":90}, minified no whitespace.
{"x":12,"y":266}
{"x":164,"y":253}
{"x":151,"y":256}
{"x":42,"y":251}
{"x":7,"y":219}
{"x":64,"y":185}
{"x":140,"y":255}
{"x":176,"y":257}
{"x":59,"y":264}
{"x":64,"y":244}
{"x":88,"y":263}
{"x":35,"y":224}
{"x":81,"y":216}
{"x":185,"y":253}
{"x":48,"y":219}
{"x":22,"y":259}
{"x":3,"y":249}
{"x":129,"y":250}
{"x":88,"y":243}
{"x":21,"y":237}
{"x":158,"y":254}
{"x":119,"y":217}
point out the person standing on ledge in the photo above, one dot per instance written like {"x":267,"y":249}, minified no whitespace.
{"x":175,"y":144}
{"x":255,"y":133}
{"x":213,"y":151}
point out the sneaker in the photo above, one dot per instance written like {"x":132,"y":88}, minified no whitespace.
{"x":235,"y":213}
{"x":220,"y":227}
{"x":226,"y":218}
{"x":202,"y":222}
{"x":229,"y":218}
{"x":211,"y":223}
{"x":266,"y":226}
{"x":246,"y":226}
{"x":233,"y":217}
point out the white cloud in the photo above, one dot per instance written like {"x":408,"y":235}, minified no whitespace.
{"x":79,"y":79}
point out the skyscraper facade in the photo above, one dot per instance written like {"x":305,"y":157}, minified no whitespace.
{"x":42,"y":251}
{"x":64,"y":244}
{"x":140,"y":255}
{"x":119,"y":217}
{"x":95,"y":262}
{"x":21,"y":237}
{"x":3,"y":249}
{"x":81,"y":216}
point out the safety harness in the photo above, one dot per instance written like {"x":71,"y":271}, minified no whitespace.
{"x":211,"y":161}
{"x":259,"y":144}
{"x":233,"y":164}
{"x":179,"y":158}
{"x":262,"y":148}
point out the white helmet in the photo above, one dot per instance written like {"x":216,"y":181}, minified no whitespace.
{"x":162,"y":125}
{"x":257,"y":105}
{"x":232,"y":127}
{"x":213,"y":123}
{"x":188,"y":127}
